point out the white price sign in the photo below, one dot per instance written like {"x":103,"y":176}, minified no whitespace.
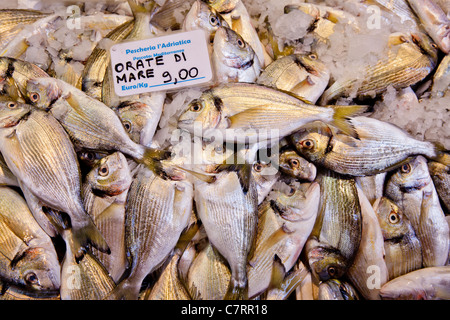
{"x":162,"y":63}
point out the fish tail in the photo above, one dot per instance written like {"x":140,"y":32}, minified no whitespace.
{"x":125,"y":290}
{"x":141,"y":6}
{"x":86,"y":235}
{"x":236,"y":291}
{"x":442,"y":154}
{"x":342,"y":118}
{"x":152,"y":159}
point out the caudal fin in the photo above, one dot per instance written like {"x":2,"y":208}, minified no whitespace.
{"x":442,"y":154}
{"x":342,"y":118}
{"x":152,"y":159}
{"x":125,"y":290}
{"x":236,"y":291}
{"x":82,"y":237}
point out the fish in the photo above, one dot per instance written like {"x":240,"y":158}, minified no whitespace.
{"x":435,"y":22}
{"x":372,"y":186}
{"x":157,"y":212}
{"x":399,"y":8}
{"x":84,"y":280}
{"x":12,"y":292}
{"x":403,"y":248}
{"x":78,"y":113}
{"x":7,"y":178}
{"x":430,"y":283}
{"x":336,"y":235}
{"x":95,"y":67}
{"x":441,"y":78}
{"x":170,"y":15}
{"x":409,"y":59}
{"x":28,"y":257}
{"x":245,"y":113}
{"x":203,"y":16}
{"x":292,"y":164}
{"x":233,"y":58}
{"x":412,"y":189}
{"x":369,"y":270}
{"x":228,"y":210}
{"x":303,"y":75}
{"x":40,"y":154}
{"x":209,"y":275}
{"x":285,"y":221}
{"x":335,"y":289}
{"x":381,"y":147}
{"x":441,"y":180}
{"x":265,"y":178}
{"x":104,"y":194}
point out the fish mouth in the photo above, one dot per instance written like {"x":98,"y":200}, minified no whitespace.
{"x":418,"y":184}
{"x":184,"y":123}
{"x":247,"y":65}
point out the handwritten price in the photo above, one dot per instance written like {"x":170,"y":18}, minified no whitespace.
{"x":183,"y":75}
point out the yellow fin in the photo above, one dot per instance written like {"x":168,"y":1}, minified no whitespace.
{"x":342,"y":118}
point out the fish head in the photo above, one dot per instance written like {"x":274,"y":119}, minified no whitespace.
{"x":90,"y":158}
{"x":134,"y":117}
{"x":39,"y":269}
{"x":390,"y":217}
{"x":11,"y":112}
{"x":413,"y":175}
{"x":335,"y":289}
{"x":311,"y":63}
{"x":325,"y":262}
{"x":296,"y":166}
{"x":42,"y":92}
{"x":203,"y":16}
{"x":313,"y":141}
{"x":234,"y":50}
{"x":205,"y":111}
{"x":111,"y":175}
{"x":426,"y":45}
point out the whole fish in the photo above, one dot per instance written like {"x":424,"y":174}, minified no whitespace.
{"x":441,"y":78}
{"x":227,"y":208}
{"x":203,"y":16}
{"x":369,"y":271}
{"x":7,"y":178}
{"x":412,"y":189}
{"x":335,"y":289}
{"x":441,"y":179}
{"x":84,"y":280}
{"x":410,"y":58}
{"x":78,"y":113}
{"x":157,"y":212}
{"x":403,"y":249}
{"x":303,"y":75}
{"x":381,"y":147}
{"x":209,"y":275}
{"x":432,"y":283}
{"x":104,"y":196}
{"x":285,"y":221}
{"x":28,"y":257}
{"x":435,"y":22}
{"x":250,"y":111}
{"x":233,"y":58}
{"x":292,"y":164}
{"x":40,"y":154}
{"x":336,"y":236}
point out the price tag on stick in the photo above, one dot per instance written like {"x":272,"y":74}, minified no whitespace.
{"x":161,"y":63}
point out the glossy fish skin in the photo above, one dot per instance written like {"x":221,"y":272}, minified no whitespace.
{"x":79,"y":114}
{"x":39,"y":153}
{"x":28,"y":257}
{"x":104,"y":197}
{"x":7,"y":178}
{"x":370,"y":257}
{"x":233,"y":58}
{"x":412,"y":189}
{"x":292,"y":164}
{"x":157,"y":212}
{"x":381,"y":147}
{"x":414,"y":59}
{"x":252,"y":110}
{"x":430,"y":283}
{"x":228,"y":212}
{"x":441,"y":179}
{"x":303,"y":75}
{"x":294,"y":211}
{"x":335,"y":289}
{"x":372,"y":186}
{"x":435,"y":22}
{"x":441,"y":78}
{"x":403,"y":249}
{"x":336,"y":235}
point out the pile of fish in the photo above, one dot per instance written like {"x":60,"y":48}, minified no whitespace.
{"x":277,"y":180}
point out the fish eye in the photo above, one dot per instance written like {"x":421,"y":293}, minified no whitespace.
{"x":403,"y":39}
{"x":34,"y":97}
{"x":332,"y":271}
{"x":291,"y":192}
{"x":31,"y":278}
{"x":258,"y":167}
{"x":218,"y":149}
{"x":294,"y":163}
{"x":213,"y":20}
{"x":87,"y":156}
{"x":195,"y":107}
{"x":241,"y":43}
{"x":406,"y":168}
{"x":393,"y":217}
{"x":103,"y":171}
{"x":127,"y":126}
{"x":313,"y":56}
{"x":434,"y":45}
{"x":307,"y":144}
{"x":11,"y":105}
